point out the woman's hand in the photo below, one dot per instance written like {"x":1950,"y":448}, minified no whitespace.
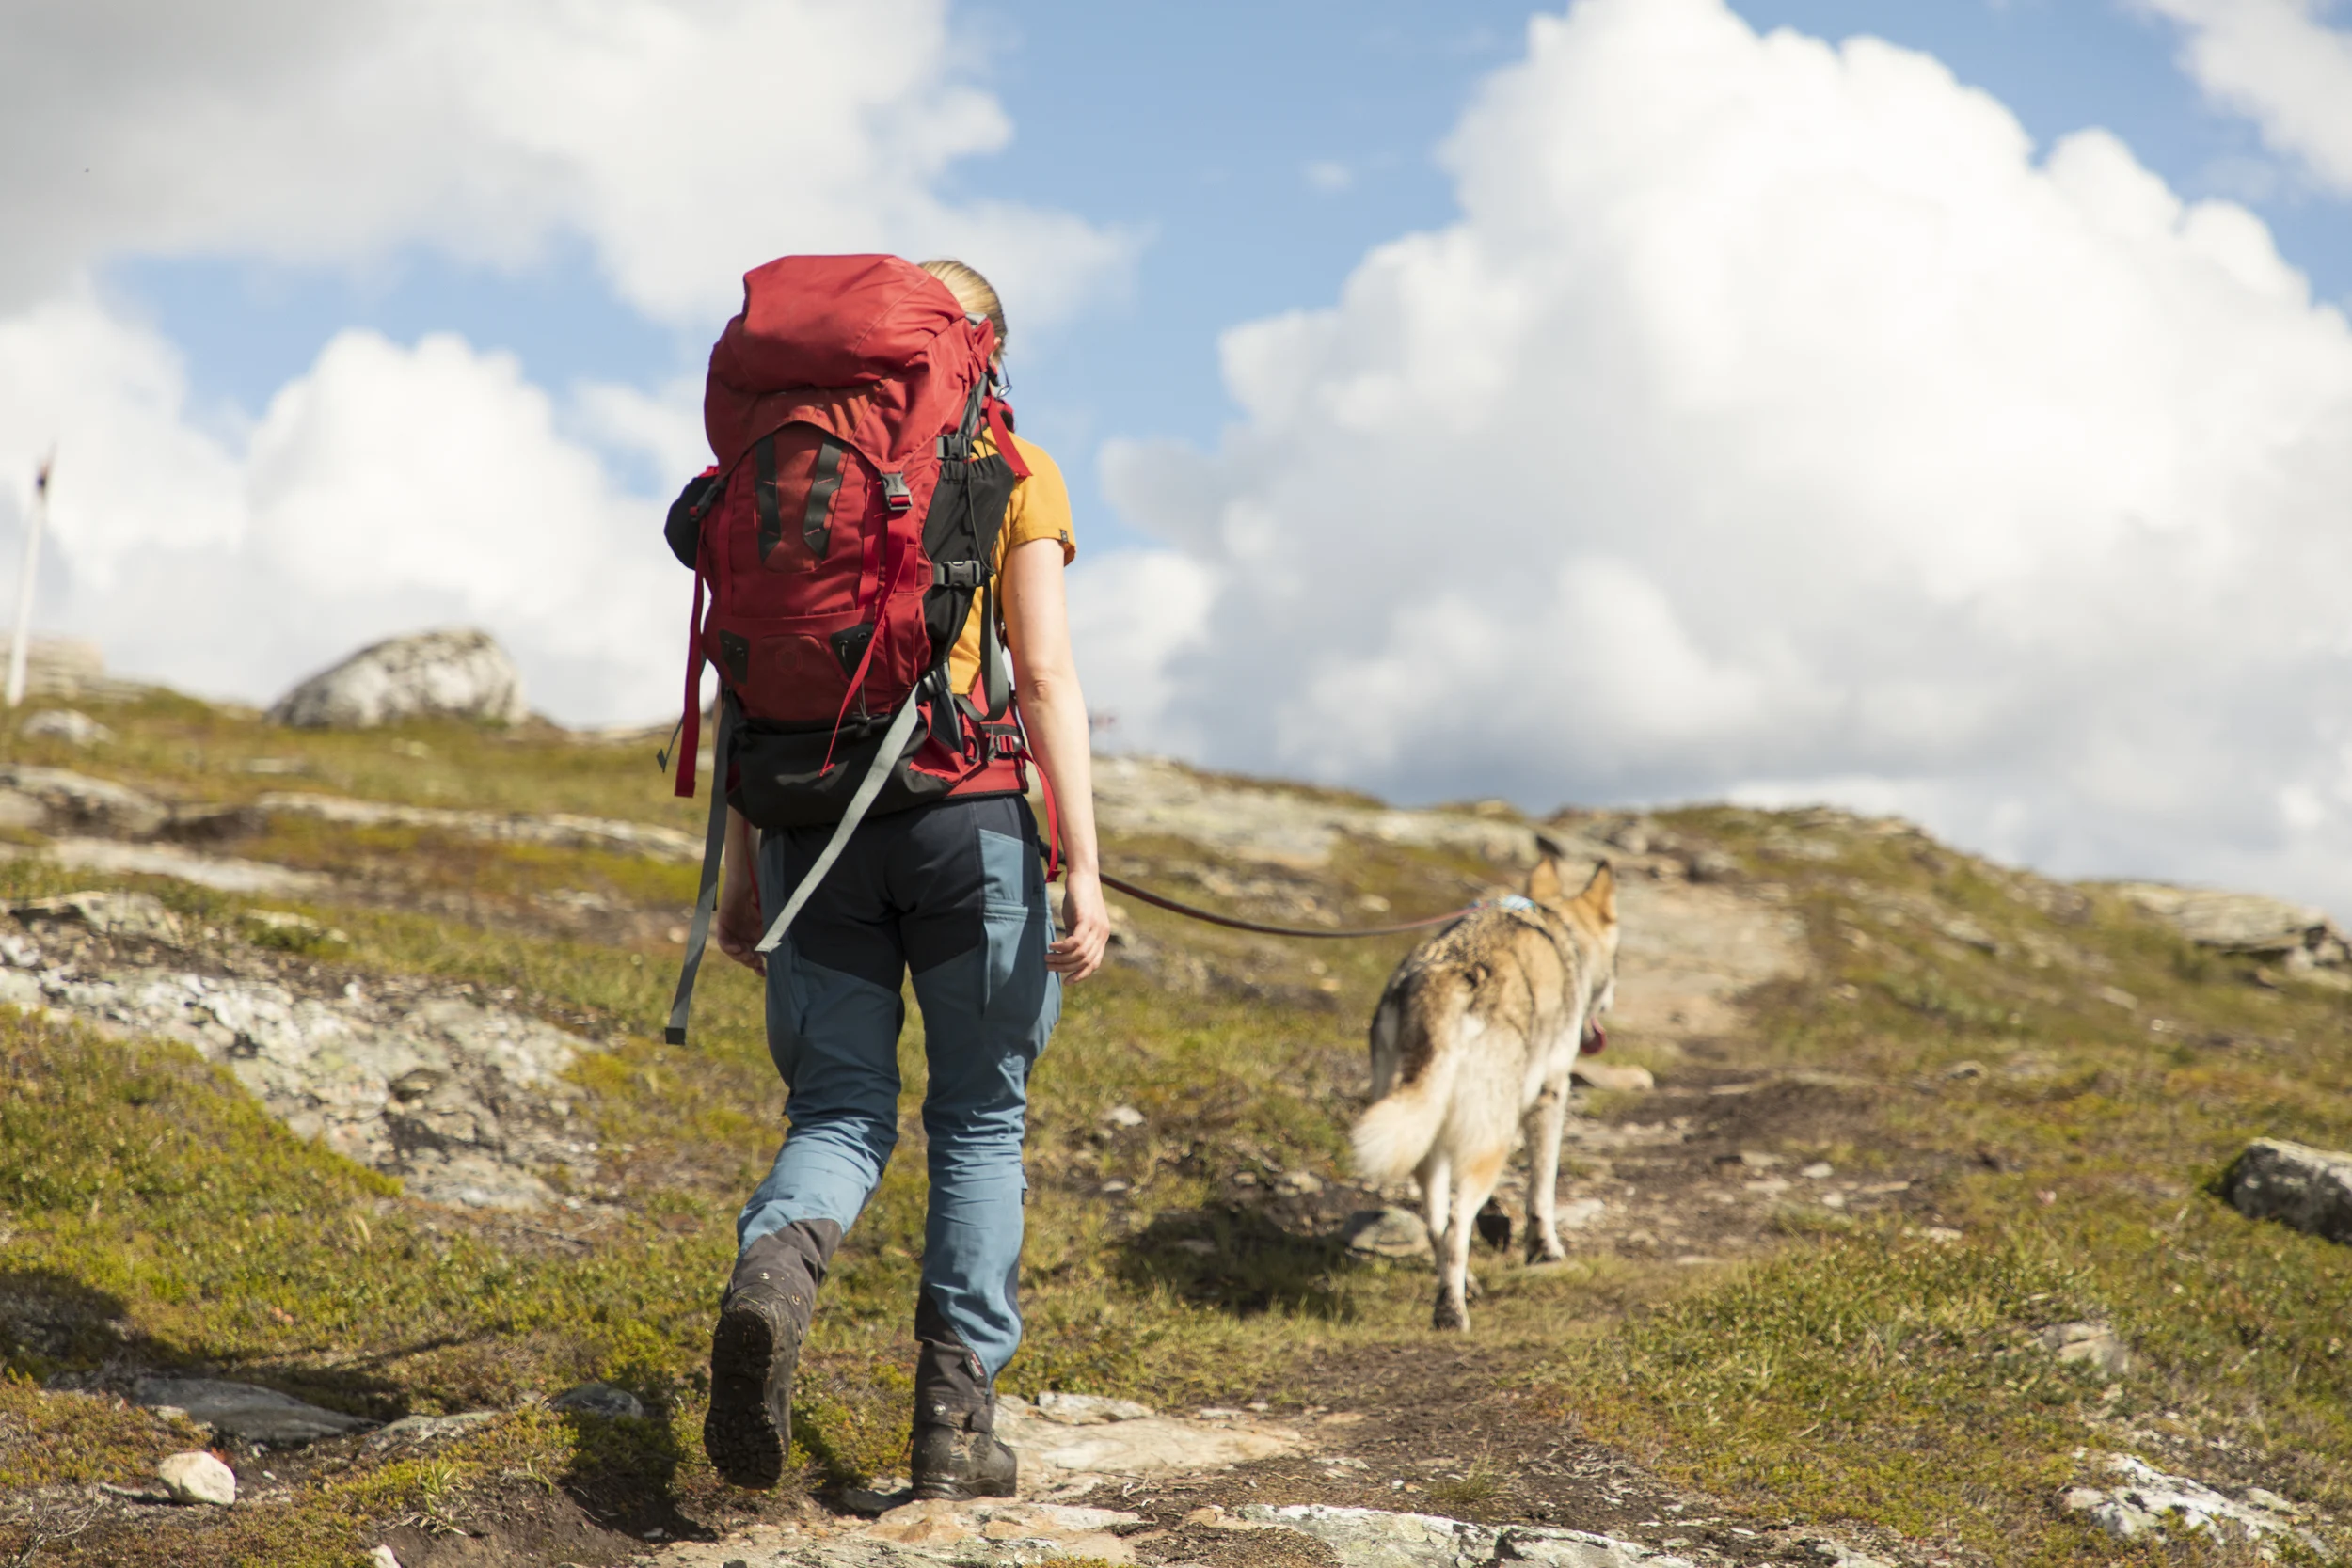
{"x":736,"y":924}
{"x":1088,"y":925}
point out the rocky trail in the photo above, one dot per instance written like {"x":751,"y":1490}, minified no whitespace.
{"x":1703,"y":1156}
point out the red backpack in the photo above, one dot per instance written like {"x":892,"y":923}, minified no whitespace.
{"x":840,"y":539}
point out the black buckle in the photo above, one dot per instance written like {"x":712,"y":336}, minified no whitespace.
{"x":896,"y":493}
{"x":958,"y":574}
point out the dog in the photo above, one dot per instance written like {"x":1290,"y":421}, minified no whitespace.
{"x":1477,"y":1029}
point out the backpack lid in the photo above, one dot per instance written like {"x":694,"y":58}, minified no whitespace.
{"x":840,"y":323}
{"x":831,"y":321}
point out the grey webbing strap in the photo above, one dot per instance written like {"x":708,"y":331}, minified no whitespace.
{"x":995,"y":682}
{"x":893,"y":741}
{"x":714,"y":846}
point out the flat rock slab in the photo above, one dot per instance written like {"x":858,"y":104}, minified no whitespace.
{"x":989,"y":1533}
{"x":981,"y":1534}
{"x":1370,"y":1538}
{"x":1058,"y":1458}
{"x":224,"y":873}
{"x":555,"y":831}
{"x":240,"y":1410}
{"x":2308,"y":1189}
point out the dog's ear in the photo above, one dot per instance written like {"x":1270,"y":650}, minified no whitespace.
{"x":1544,"y":884}
{"x":1601,"y":894}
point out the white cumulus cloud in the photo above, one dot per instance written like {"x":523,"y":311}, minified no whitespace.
{"x":2280,"y":64}
{"x":684,"y":139}
{"x":1777,"y":420}
{"x":398,"y":486}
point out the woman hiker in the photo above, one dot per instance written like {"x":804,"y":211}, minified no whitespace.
{"x":952,"y":891}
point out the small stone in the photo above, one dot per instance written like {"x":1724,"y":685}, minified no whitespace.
{"x":1964,"y":1070}
{"x":197,"y":1477}
{"x":600,"y":1398}
{"x":382,"y":1558}
{"x":1820,"y":1170}
{"x":1387,"y":1233}
{"x":2091,"y":1342}
{"x":1123,"y":1116}
{"x":1300,"y":1184}
{"x":1757,"y":1160}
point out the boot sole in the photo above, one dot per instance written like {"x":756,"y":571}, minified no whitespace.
{"x":745,"y":1439}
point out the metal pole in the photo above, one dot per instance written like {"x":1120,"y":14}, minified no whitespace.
{"x":21,"y":637}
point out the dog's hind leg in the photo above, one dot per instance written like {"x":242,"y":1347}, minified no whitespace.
{"x":1435,"y":1175}
{"x":1543,"y":1175}
{"x":1476,"y":1185}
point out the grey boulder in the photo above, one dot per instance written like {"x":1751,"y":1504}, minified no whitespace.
{"x":433,"y":674}
{"x":600,"y":1398}
{"x":2307,"y":1189}
{"x":74,"y":802}
{"x":242,"y":1410}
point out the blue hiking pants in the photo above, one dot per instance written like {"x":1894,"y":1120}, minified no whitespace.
{"x":954,"y":893}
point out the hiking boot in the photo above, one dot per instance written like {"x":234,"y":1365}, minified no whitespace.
{"x":755,"y":1350}
{"x":964,"y":1461}
{"x":957,"y":1456}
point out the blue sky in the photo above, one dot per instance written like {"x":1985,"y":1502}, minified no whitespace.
{"x":1606,"y":404}
{"x":1260,"y":150}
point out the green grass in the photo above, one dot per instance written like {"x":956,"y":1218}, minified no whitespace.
{"x":151,"y":1212}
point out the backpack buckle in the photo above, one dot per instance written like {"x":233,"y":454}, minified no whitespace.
{"x":958,"y":574}
{"x":895,"y":491}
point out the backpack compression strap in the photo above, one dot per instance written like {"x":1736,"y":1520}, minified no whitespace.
{"x":714,"y":844}
{"x":893,"y":741}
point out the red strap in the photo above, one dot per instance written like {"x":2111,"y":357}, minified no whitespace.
{"x":692,"y":731}
{"x":888,"y":579}
{"x":1001,"y":434}
{"x":1053,"y":825}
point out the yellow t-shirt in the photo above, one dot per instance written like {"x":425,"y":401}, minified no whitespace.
{"x":1039,"y":509}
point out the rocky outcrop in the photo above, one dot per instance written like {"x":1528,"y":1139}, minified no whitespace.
{"x":2307,"y":1189}
{"x":433,"y":674}
{"x":2295,"y":936}
{"x":466,"y":1104}
{"x":2146,"y":1504}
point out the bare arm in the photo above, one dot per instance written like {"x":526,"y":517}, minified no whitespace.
{"x":1054,"y":711}
{"x":737,"y":925}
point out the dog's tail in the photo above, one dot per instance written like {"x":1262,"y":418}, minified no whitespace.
{"x":1424,"y":1029}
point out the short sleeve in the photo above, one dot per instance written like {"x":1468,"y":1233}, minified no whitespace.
{"x":1040,"y":507}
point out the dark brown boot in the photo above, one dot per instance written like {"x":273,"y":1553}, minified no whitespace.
{"x":957,"y":1456}
{"x":755,"y":1350}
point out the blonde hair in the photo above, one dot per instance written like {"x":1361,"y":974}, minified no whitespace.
{"x":973,"y":291}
